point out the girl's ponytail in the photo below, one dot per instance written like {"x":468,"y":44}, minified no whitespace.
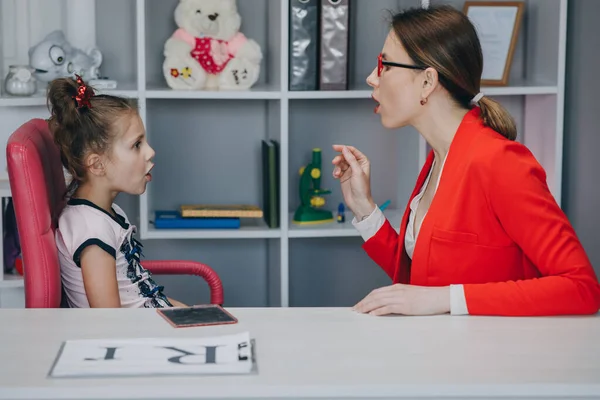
{"x":82,"y":123}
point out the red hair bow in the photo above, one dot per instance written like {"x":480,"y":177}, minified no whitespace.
{"x":84,"y":93}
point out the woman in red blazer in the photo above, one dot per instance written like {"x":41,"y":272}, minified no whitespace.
{"x":482,"y":233}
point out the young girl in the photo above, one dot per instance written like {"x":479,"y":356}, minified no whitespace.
{"x":103,"y":146}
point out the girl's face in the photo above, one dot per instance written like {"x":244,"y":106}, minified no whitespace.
{"x":128,"y":167}
{"x":397,"y":90}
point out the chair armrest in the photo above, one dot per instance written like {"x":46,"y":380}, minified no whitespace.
{"x":176,"y":267}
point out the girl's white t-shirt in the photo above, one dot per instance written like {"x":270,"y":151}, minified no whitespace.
{"x":81,"y":224}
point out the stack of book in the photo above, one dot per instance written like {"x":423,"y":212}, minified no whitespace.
{"x":206,"y":216}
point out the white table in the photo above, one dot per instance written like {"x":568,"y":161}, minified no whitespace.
{"x":323,"y":353}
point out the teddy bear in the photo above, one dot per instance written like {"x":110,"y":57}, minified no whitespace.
{"x":208,"y":51}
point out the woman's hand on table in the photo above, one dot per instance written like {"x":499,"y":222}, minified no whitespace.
{"x":406,"y":300}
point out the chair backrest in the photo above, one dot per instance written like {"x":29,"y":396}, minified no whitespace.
{"x":37,"y":183}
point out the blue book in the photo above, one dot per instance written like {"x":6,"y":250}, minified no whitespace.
{"x":174,"y":220}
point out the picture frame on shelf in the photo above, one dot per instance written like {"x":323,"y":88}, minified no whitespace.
{"x":498,"y":24}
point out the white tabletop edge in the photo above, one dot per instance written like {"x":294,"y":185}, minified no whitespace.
{"x":530,"y":391}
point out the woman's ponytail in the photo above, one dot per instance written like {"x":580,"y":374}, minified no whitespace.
{"x":445,"y":39}
{"x":495,"y":116}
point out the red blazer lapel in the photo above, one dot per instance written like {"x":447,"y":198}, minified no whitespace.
{"x":404,"y":262}
{"x":452,"y":174}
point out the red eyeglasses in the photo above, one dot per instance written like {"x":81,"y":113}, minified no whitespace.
{"x":381,"y":63}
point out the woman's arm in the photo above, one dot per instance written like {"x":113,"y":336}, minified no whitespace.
{"x":528,"y":212}
{"x":380,"y":250}
{"x":383,"y":247}
{"x":353,"y":169}
{"x":100,"y":278}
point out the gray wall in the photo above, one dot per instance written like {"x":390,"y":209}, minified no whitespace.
{"x":581,"y":185}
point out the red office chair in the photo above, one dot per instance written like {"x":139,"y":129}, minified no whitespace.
{"x":37,"y":183}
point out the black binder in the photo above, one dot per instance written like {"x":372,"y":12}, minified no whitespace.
{"x":304,"y":45}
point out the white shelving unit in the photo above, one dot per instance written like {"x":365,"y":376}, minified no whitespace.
{"x":11,"y":285}
{"x":208,"y":143}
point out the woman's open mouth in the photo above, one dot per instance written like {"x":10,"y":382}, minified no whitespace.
{"x":376,"y":110}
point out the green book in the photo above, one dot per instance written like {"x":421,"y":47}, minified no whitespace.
{"x":270,"y":181}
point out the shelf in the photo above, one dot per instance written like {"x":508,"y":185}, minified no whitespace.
{"x":39,"y":99}
{"x":125,"y":89}
{"x":258,"y":230}
{"x":330,"y":94}
{"x":517,"y":90}
{"x":336,"y":229}
{"x":259,"y":92}
{"x":248,"y":230}
{"x":15,"y":101}
{"x":12,"y":281}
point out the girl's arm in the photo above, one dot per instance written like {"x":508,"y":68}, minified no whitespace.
{"x":527,"y":210}
{"x":100,"y":278}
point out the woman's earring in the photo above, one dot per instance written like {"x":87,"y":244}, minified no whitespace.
{"x":423,"y":101}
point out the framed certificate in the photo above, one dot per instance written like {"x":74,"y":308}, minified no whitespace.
{"x":497,"y":24}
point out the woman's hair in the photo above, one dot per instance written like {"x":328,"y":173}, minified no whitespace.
{"x":444,"y":39}
{"x":82,"y":123}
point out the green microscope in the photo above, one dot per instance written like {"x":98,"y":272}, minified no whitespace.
{"x":311,"y":194}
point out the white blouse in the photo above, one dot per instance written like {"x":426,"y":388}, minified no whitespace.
{"x":411,"y":236}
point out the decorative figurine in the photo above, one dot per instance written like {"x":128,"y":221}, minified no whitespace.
{"x":341,"y":215}
{"x":54,"y":57}
{"x":311,"y":194}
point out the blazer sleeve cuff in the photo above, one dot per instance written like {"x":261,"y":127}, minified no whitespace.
{"x":369,"y":226}
{"x":458,"y":301}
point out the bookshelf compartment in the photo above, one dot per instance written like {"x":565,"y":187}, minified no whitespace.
{"x":261,"y":21}
{"x":209,"y":153}
{"x":368,"y":30}
{"x":333,"y":272}
{"x":13,"y":117}
{"x":536,"y":58}
{"x":11,"y":281}
{"x":244,"y":273}
{"x":320,"y":123}
{"x":544,"y":139}
{"x":117,"y":42}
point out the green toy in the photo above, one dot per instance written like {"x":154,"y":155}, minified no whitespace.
{"x":311,"y":194}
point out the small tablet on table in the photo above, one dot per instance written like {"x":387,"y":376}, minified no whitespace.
{"x":202,"y":315}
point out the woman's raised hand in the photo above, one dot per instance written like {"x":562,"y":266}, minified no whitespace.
{"x":353,"y":170}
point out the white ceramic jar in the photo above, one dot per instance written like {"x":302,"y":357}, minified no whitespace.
{"x":20,"y":81}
